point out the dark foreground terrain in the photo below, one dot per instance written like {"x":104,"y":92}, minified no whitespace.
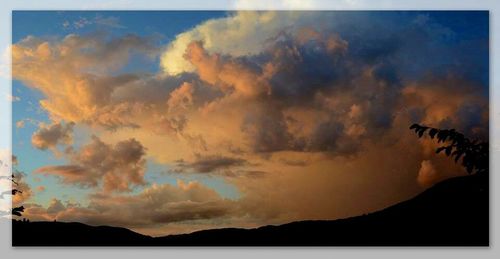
{"x":452,"y":213}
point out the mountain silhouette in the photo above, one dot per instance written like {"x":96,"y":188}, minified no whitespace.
{"x":454,"y":212}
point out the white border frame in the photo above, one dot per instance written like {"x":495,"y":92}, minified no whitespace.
{"x":6,"y":251}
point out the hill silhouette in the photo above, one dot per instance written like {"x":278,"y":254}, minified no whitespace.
{"x":454,"y":212}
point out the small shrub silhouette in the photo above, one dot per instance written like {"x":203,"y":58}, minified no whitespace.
{"x":474,"y":154}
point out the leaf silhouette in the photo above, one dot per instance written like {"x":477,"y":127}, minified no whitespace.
{"x":474,"y":154}
{"x":18,"y":211}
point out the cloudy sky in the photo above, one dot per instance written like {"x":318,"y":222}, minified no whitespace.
{"x":170,"y":122}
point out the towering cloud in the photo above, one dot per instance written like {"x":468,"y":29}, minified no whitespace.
{"x":245,"y":33}
{"x":287,"y":81}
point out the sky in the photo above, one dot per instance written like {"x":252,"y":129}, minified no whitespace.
{"x":170,"y":122}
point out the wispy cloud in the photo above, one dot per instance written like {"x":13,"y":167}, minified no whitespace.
{"x":98,"y":20}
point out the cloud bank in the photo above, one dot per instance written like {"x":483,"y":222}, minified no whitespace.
{"x":157,"y":205}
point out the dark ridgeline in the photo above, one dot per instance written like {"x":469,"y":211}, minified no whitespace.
{"x":454,"y":212}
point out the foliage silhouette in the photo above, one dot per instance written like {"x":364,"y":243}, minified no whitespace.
{"x":16,"y":211}
{"x":474,"y":154}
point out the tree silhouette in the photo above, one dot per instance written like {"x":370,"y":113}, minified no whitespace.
{"x":474,"y":154}
{"x":16,"y":211}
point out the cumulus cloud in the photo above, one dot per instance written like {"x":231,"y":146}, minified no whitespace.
{"x":303,"y":85}
{"x":55,"y":206}
{"x":289,"y":107}
{"x":448,"y":103}
{"x":116,"y":167}
{"x":228,"y":75}
{"x":73,"y":76}
{"x":48,"y":136}
{"x":181,"y":98}
{"x":261,"y":99}
{"x":427,"y":175}
{"x":245,"y":34}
